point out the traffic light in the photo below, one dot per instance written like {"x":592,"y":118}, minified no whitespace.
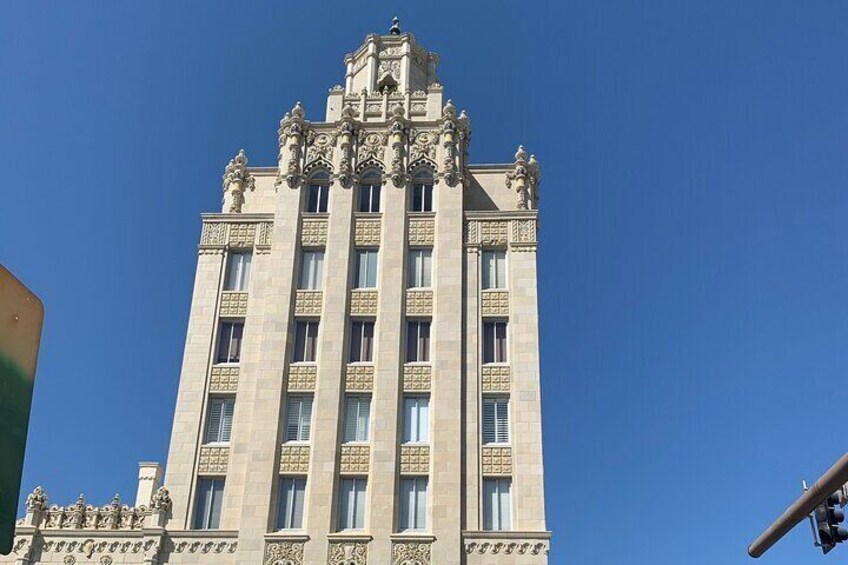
{"x":828,"y":517}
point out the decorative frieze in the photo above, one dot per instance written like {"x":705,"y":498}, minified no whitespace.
{"x":213,"y":234}
{"x":204,"y":546}
{"x":359,"y":378}
{"x":355,"y":459}
{"x":284,"y":553}
{"x":493,"y":232}
{"x":411,"y":553}
{"x":308,"y":302}
{"x":414,"y":459}
{"x":419,"y":302}
{"x":363,"y":302}
{"x":224,"y":379}
{"x":233,"y":303}
{"x":347,"y":553}
{"x":494,"y":302}
{"x":416,"y":378}
{"x":213,"y":460}
{"x":302,"y":378}
{"x":82,"y":516}
{"x":313,"y":232}
{"x":421,"y":231}
{"x":294,"y":458}
{"x":366,"y":231}
{"x":266,"y":234}
{"x":523,"y":231}
{"x":498,"y":546}
{"x":497,"y":460}
{"x":242,"y":235}
{"x":496,"y":378}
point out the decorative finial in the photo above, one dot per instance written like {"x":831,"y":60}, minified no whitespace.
{"x":297,"y":111}
{"x":521,"y":154}
{"x":395,"y":29}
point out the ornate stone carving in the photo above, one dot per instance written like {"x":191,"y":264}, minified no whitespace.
{"x":82,"y":516}
{"x":236,"y":182}
{"x":213,"y":460}
{"x":363,"y":302}
{"x":518,"y":547}
{"x":416,"y":378}
{"x":233,"y":303}
{"x":366,"y":231}
{"x":313,"y":232}
{"x":423,"y":143}
{"x":266,"y":234}
{"x":355,"y":459}
{"x":302,"y":377}
{"x":224,"y":379}
{"x":284,"y":553}
{"x":291,"y":135}
{"x":493,"y":232}
{"x":36,"y":501}
{"x":391,"y":67}
{"x":495,"y":378}
{"x":294,"y":458}
{"x":422,"y":231}
{"x":359,"y":378}
{"x":308,"y":302}
{"x":242,"y":235}
{"x":471,"y":232}
{"x":347,"y":553}
{"x":397,"y":131}
{"x":414,"y":459}
{"x":346,"y":135}
{"x":419,"y":302}
{"x":454,"y":135}
{"x":320,"y":146}
{"x":524,"y":180}
{"x":161,"y":500}
{"x":185,"y":546}
{"x":495,"y":302}
{"x":214,"y":233}
{"x":497,"y":460}
{"x":411,"y":553}
{"x":523,"y":231}
{"x":371,"y":145}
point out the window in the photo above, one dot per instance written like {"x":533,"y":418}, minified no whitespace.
{"x":497,"y":513}
{"x":207,"y":512}
{"x":494,"y":269}
{"x":420,"y":267}
{"x":422,"y":191}
{"x":369,"y":192}
{"x":305,"y":341}
{"x":416,"y":419}
{"x":229,"y":342}
{"x":352,"y":504}
{"x":496,"y":419}
{"x":417,"y":341}
{"x":298,"y":418}
{"x":238,"y":271}
{"x":366,"y":268}
{"x":357,"y":417}
{"x":413,"y":504}
{"x":290,"y":506}
{"x":361,"y":342}
{"x":494,"y":342}
{"x":311,"y":270}
{"x":319,"y":193}
{"x":219,"y":420}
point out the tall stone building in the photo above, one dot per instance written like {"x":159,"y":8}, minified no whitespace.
{"x":361,"y":373}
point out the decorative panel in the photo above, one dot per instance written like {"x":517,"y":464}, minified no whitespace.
{"x":419,"y":302}
{"x":523,"y":231}
{"x":266,"y":233}
{"x":411,"y":552}
{"x":366,"y":231}
{"x":302,"y":377}
{"x":422,"y":231}
{"x":416,"y":378}
{"x":363,"y":302}
{"x":284,"y":552}
{"x":359,"y":378}
{"x":224,"y":379}
{"x":347,"y":553}
{"x":233,"y":303}
{"x":415,"y":459}
{"x":313,"y":232}
{"x":472,"y":232}
{"x":213,"y":460}
{"x":294,"y":459}
{"x":495,"y":302}
{"x":497,"y":460}
{"x":496,"y":378}
{"x":493,"y":232}
{"x":308,"y":302}
{"x":214,"y":233}
{"x":355,"y":459}
{"x":242,"y":235}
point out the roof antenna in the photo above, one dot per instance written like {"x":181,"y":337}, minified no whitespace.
{"x":395,"y":29}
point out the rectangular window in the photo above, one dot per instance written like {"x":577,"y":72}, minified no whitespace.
{"x":219,"y":420}
{"x":416,"y":419}
{"x":366,"y":268}
{"x":369,"y":197}
{"x":316,"y":202}
{"x":494,"y":342}
{"x":238,"y":271}
{"x":311,"y":270}
{"x":361,"y":341}
{"x":497,"y":510}
{"x":305,"y":341}
{"x":357,"y":418}
{"x":413,"y":504}
{"x":422,"y":198}
{"x":420,"y":267}
{"x":298,"y":418}
{"x":207,"y":512}
{"x":229,"y":342}
{"x":417,"y":341}
{"x":290,"y":505}
{"x":496,"y":419}
{"x":352,"y":504}
{"x":494,"y":269}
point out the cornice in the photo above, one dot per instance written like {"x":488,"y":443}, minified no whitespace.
{"x":214,"y":217}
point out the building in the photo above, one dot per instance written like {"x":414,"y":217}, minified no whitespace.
{"x":360,"y":381}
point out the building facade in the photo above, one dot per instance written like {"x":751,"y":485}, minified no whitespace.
{"x":360,"y":383}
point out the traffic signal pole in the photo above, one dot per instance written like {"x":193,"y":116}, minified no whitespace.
{"x":825,"y":486}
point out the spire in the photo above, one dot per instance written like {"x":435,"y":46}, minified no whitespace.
{"x":395,"y":29}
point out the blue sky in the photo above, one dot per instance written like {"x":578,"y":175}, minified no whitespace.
{"x":693,"y":246}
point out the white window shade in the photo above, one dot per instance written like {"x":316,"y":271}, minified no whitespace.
{"x":357,"y":418}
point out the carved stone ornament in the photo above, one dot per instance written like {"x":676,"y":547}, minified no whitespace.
{"x":161,"y":500}
{"x":236,"y":182}
{"x":291,"y":134}
{"x":411,"y":553}
{"x":507,"y":547}
{"x":398,"y":130}
{"x":524,"y":179}
{"x":346,"y":135}
{"x":284,"y":553}
{"x":347,"y":553}
{"x":423,"y":145}
{"x":82,"y":516}
{"x":371,"y":145}
{"x":453,"y":132}
{"x":36,"y":501}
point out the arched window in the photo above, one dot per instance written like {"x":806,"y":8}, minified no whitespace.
{"x":319,"y":192}
{"x":422,"y":191}
{"x":369,"y":191}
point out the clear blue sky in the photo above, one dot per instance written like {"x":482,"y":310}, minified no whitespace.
{"x":693,"y":256}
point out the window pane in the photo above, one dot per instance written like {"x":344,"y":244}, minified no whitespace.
{"x":490,"y":504}
{"x":504,"y":505}
{"x":290,"y":508}
{"x":488,"y":342}
{"x":357,"y":418}
{"x":424,"y":341}
{"x":208,"y":506}
{"x":299,"y":342}
{"x":352,"y":504}
{"x":355,"y":341}
{"x":238,"y":271}
{"x":500,"y":268}
{"x":417,"y":197}
{"x":372,"y":269}
{"x":359,"y":514}
{"x":311,"y":270}
{"x":500,"y":342}
{"x":488,"y":268}
{"x":298,"y":418}
{"x":426,"y":267}
{"x":367,"y":341}
{"x":311,"y":342}
{"x":312,"y":198}
{"x":411,"y":342}
{"x":235,"y":342}
{"x":428,"y":198}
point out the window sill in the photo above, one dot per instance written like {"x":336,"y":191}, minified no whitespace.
{"x":496,"y":445}
{"x":215,"y":444}
{"x":494,"y":289}
{"x":372,"y":215}
{"x":294,"y":535}
{"x":415,"y":443}
{"x":316,"y":215}
{"x":225,"y":364}
{"x":421,"y":214}
{"x":296,"y":442}
{"x":350,"y":535}
{"x":496,"y":364}
{"x":413,"y":535}
{"x":303,"y":364}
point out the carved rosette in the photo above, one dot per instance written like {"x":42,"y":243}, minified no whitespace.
{"x":416,"y":378}
{"x":371,"y":147}
{"x":359,"y":378}
{"x":495,"y":303}
{"x":347,"y":553}
{"x":236,"y":181}
{"x":313,"y":232}
{"x":302,"y":377}
{"x":497,"y":461}
{"x":292,"y":132}
{"x":366,"y":232}
{"x":308,"y":302}
{"x":414,"y":459}
{"x":224,"y":379}
{"x":495,"y":378}
{"x":294,"y":459}
{"x":284,"y":553}
{"x":419,"y":302}
{"x":411,"y":553}
{"x":233,"y":303}
{"x":213,"y":460}
{"x":421,"y":231}
{"x":355,"y":459}
{"x":363,"y":302}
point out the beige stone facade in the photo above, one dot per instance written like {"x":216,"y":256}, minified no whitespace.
{"x":389,"y":117}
